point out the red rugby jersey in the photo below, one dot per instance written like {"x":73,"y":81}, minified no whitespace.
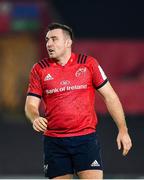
{"x":69,"y":94}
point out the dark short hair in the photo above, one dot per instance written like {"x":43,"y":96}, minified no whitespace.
{"x":64,"y":27}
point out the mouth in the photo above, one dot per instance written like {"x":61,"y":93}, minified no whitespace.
{"x":50,"y":51}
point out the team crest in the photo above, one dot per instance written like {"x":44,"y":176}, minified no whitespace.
{"x":80,"y":71}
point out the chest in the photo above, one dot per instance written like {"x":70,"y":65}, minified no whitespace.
{"x":58,"y":77}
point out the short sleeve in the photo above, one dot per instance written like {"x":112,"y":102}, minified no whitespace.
{"x":34,"y":87}
{"x":98,"y":76}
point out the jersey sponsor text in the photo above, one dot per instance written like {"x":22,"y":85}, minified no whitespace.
{"x":66,"y":88}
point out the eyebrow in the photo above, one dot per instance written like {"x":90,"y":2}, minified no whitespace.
{"x":46,"y":38}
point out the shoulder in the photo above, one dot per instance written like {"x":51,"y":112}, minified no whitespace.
{"x":41,"y":64}
{"x":44,"y":63}
{"x":86,"y":59}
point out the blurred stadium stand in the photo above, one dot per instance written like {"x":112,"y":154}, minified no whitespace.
{"x":113,"y":33}
{"x":123,"y":62}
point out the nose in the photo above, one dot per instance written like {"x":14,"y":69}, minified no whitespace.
{"x":49,"y":43}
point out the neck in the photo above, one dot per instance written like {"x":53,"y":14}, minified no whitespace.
{"x":64,"y":59}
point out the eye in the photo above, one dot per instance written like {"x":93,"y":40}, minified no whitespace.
{"x":54,"y":38}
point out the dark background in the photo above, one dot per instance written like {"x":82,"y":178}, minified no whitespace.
{"x":21,"y":151}
{"x":103,"y":19}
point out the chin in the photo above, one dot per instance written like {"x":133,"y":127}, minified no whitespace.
{"x":52,"y":56}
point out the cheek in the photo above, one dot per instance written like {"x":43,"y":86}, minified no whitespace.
{"x":60,"y":47}
{"x":46,"y":45}
{"x":62,"y":44}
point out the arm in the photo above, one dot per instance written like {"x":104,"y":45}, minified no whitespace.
{"x":116,"y":111}
{"x":32,"y":112}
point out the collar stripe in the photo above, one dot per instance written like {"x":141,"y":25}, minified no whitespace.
{"x":46,"y":62}
{"x":41,"y":65}
{"x":81,"y":59}
{"x":85,"y":59}
{"x":79,"y":56}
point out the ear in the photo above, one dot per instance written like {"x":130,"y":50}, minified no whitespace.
{"x":69,"y":42}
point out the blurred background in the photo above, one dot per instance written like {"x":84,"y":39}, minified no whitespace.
{"x":112,"y":32}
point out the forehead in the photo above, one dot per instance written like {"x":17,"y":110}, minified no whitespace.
{"x":54,"y":32}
